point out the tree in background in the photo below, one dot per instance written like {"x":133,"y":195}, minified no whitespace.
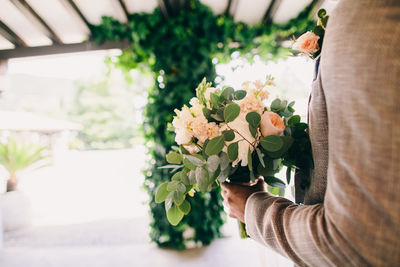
{"x":109,"y":111}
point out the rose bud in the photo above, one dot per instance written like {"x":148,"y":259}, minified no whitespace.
{"x":271,"y":124}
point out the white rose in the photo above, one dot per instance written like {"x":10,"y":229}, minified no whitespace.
{"x":183,"y":136}
{"x":197,"y":107}
{"x":183,"y":119}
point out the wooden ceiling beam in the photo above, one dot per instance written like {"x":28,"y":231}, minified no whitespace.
{"x":36,"y":20}
{"x":58,"y":49}
{"x":72,"y":7}
{"x":271,"y":11}
{"x":10,"y":35}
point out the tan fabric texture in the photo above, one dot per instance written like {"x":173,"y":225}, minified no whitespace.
{"x":356,"y":222}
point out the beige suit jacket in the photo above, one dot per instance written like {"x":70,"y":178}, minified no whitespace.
{"x":354,"y":219}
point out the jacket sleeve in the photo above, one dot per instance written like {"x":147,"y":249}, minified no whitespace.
{"x":358,"y":223}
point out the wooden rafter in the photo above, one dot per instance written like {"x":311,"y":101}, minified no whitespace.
{"x":58,"y":49}
{"x":228,"y":8}
{"x":36,"y":20}
{"x":10,"y":35}
{"x":124,"y":8}
{"x":78,"y":12}
{"x":271,"y":10}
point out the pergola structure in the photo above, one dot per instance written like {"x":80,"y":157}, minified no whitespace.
{"x":44,"y":27}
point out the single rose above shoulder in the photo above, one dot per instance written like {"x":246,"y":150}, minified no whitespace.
{"x":307,"y":43}
{"x":271,"y":124}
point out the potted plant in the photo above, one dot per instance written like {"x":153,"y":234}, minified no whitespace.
{"x":15,"y":156}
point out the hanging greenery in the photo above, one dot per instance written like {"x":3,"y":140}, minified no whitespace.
{"x":179,"y":51}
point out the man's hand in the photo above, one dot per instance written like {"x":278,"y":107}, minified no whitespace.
{"x":236,"y":195}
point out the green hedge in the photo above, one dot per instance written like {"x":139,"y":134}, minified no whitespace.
{"x":179,"y":51}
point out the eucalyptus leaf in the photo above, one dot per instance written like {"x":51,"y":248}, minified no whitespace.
{"x":188,"y":164}
{"x":185,"y":207}
{"x":161,"y":192}
{"x":260,"y":157}
{"x":273,"y":181}
{"x":173,"y":185}
{"x":233,"y":150}
{"x":229,"y":135}
{"x":276,"y":104}
{"x":250,"y":160}
{"x":196,"y":160}
{"x":215,"y":145}
{"x":174,"y":215}
{"x":213,"y":163}
{"x":224,"y":160}
{"x":174,"y":158}
{"x":253,"y":118}
{"x":202,"y":179}
{"x":271,"y":143}
{"x":192,"y":177}
{"x":231,"y":112}
{"x":240,"y":94}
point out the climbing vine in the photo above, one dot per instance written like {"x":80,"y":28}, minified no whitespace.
{"x":179,"y":51}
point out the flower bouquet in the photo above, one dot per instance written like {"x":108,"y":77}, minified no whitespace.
{"x":229,"y":135}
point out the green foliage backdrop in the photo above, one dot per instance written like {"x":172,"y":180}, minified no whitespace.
{"x":179,"y":51}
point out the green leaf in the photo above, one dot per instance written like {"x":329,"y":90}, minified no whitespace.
{"x":224,"y":161}
{"x":206,"y":112}
{"x":276,"y":104}
{"x":271,"y":143}
{"x":318,"y":30}
{"x":288,"y":174}
{"x":179,"y":197}
{"x":174,"y":158}
{"x":294,"y":120}
{"x":253,"y":118}
{"x":240,"y":94}
{"x":231,"y":112}
{"x":252,"y":177}
{"x":185,"y":179}
{"x":184,"y":150}
{"x":217,"y":117}
{"x":233,"y":151}
{"x":197,"y":160}
{"x":202,"y":179}
{"x":213,"y":163}
{"x":161,"y":192}
{"x":273,"y":181}
{"x":214,"y":99}
{"x":250,"y":159}
{"x":227,"y":93}
{"x":253,"y":131}
{"x":185,"y":207}
{"x":192,"y":177}
{"x":215,"y":145}
{"x":173,"y":185}
{"x":287,"y":143}
{"x":260,"y":156}
{"x":174,"y":215}
{"x":321,"y":13}
{"x":229,"y":135}
{"x":177,"y":176}
{"x":188,"y":164}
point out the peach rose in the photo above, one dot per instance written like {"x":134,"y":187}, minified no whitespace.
{"x":307,"y":43}
{"x":271,"y":124}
